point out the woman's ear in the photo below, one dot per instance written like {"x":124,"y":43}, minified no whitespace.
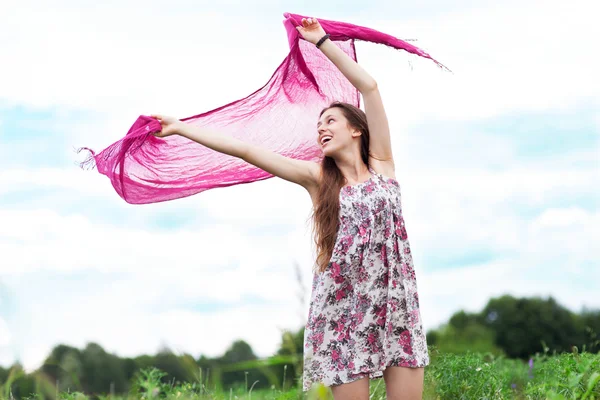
{"x":356,"y":133}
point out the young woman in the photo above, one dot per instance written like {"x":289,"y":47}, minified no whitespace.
{"x":364,"y":319}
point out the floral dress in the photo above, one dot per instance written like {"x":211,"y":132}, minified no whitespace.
{"x":364,"y":309}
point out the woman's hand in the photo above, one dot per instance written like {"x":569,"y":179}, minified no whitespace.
{"x":170,"y":125}
{"x":311,"y":30}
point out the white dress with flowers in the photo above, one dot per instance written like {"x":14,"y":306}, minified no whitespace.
{"x":364,"y":311}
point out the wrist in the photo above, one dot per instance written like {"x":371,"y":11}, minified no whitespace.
{"x":182,"y":129}
{"x":322,"y":40}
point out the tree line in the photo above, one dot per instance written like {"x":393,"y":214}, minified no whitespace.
{"x":509,"y":326}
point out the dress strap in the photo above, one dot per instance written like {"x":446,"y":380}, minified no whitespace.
{"x":375,"y":174}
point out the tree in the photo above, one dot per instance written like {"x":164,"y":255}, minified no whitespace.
{"x":63,"y":365}
{"x":590,"y":322}
{"x":464,"y":333}
{"x":522,"y":325}
{"x":238,"y":352}
{"x":177,"y":367}
{"x":101,"y":371}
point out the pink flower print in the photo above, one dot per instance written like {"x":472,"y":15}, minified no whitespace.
{"x":387,"y":232}
{"x":336,"y":273}
{"x":371,"y":338}
{"x":404,"y":269}
{"x":319,"y":338}
{"x":335,"y":269}
{"x":350,"y":190}
{"x":397,"y":220}
{"x":358,"y":319}
{"x":404,"y":339}
{"x":414,"y":317}
{"x":335,"y":355}
{"x":346,"y":242}
{"x":380,"y":312}
{"x":341,"y":323}
{"x":362,"y":230}
{"x":347,"y":333}
{"x":401,"y":232}
{"x":343,"y":292}
{"x":383,"y":254}
{"x":316,"y":340}
{"x":363,"y":275}
{"x":364,"y":234}
{"x":351,"y":365}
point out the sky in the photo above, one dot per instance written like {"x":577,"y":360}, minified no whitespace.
{"x":498,"y":163}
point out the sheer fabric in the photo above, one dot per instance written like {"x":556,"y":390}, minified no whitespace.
{"x":280,"y":116}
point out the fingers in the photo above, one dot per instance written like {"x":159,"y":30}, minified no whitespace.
{"x":308,"y":21}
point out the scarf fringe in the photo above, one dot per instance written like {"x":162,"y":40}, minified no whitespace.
{"x":90,"y":161}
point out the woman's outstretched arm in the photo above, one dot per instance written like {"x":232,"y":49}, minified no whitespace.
{"x":304,"y":173}
{"x":380,"y":143}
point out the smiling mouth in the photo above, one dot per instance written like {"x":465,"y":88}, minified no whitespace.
{"x":325,"y":140}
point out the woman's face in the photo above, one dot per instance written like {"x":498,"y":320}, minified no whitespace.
{"x":333,"y":131}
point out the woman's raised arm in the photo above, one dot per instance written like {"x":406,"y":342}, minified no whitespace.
{"x":304,"y":173}
{"x":380,"y":143}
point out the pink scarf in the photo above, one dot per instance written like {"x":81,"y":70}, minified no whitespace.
{"x":281,"y":116}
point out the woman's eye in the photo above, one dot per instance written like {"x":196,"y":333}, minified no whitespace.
{"x":329,"y":120}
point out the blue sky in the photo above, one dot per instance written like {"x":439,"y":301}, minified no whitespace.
{"x":498,"y":164}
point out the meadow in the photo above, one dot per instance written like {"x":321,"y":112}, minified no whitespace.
{"x":546,"y":375}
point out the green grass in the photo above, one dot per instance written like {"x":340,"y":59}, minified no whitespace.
{"x":450,"y":376}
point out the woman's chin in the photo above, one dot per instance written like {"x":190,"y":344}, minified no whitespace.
{"x":327,"y":152}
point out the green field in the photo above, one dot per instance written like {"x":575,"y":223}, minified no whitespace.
{"x":469,"y":376}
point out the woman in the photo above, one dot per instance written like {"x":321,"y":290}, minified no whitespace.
{"x":364,"y":319}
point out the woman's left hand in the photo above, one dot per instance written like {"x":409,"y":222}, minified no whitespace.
{"x":311,"y":30}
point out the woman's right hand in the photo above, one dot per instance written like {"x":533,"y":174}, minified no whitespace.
{"x":170,"y":125}
{"x":311,"y":30}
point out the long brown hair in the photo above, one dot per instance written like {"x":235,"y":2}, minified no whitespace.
{"x":327,"y":207}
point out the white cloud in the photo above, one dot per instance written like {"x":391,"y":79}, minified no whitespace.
{"x":531,"y":57}
{"x":131,"y":60}
{"x":128,"y":331}
{"x":442,"y":293}
{"x":124,"y":58}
